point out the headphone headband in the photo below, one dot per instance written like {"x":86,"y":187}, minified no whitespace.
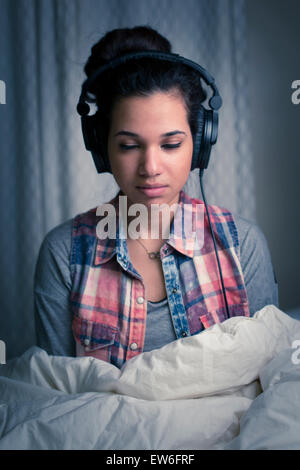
{"x":215,"y":101}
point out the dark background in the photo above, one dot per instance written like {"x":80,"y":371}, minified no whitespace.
{"x":274,"y":63}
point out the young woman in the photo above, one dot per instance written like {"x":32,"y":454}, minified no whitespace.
{"x":114,"y":298}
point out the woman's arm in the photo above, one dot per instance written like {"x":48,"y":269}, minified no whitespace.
{"x":261,"y":285}
{"x":52,"y":286}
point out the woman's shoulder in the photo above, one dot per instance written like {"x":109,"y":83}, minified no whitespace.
{"x":255,"y":254}
{"x":60,"y":235}
{"x":249,"y":232}
{"x":58,"y":240}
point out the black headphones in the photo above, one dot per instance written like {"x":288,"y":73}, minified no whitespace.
{"x":207,"y":122}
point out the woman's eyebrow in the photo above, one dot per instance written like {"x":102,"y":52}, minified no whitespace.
{"x":132,"y":134}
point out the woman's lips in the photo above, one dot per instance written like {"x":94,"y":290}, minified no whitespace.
{"x":152,"y":192}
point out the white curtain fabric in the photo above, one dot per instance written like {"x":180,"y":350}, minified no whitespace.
{"x":47,"y":176}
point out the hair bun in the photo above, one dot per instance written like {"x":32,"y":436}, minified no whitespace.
{"x":124,"y":40}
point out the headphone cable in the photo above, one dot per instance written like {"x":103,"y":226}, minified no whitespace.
{"x":201,"y":171}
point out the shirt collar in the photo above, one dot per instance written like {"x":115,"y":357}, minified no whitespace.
{"x":186,"y":231}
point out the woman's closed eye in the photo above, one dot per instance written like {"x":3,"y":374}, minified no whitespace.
{"x":166,"y":146}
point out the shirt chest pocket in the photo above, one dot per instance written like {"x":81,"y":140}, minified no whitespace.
{"x":93,"y":338}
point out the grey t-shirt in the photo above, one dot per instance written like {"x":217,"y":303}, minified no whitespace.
{"x":52,"y":286}
{"x":159,"y":325}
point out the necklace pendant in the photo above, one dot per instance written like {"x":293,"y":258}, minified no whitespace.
{"x":154,"y":254}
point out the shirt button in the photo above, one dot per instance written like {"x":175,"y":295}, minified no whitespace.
{"x":140,"y":300}
{"x":183,"y":334}
{"x":174,"y":290}
{"x":86,"y":342}
{"x":133,"y":346}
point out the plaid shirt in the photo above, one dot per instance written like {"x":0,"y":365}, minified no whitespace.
{"x":108,"y":298}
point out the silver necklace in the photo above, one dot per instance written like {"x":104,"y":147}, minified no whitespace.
{"x":151,"y":254}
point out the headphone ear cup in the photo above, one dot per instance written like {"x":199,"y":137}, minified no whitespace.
{"x":94,"y":142}
{"x":101,"y":133}
{"x":205,"y":136}
{"x":87,"y":126}
{"x":209,"y":138}
{"x":197,"y":139}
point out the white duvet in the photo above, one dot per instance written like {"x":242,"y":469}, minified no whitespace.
{"x":236,"y":385}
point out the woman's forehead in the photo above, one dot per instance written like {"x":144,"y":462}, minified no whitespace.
{"x":157,"y":110}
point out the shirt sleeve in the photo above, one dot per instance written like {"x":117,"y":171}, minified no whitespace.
{"x":259,"y":275}
{"x":52,"y":287}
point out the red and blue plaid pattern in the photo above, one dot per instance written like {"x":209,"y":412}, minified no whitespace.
{"x":108,"y":297}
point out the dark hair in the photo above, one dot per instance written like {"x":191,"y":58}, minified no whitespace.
{"x":142,"y":77}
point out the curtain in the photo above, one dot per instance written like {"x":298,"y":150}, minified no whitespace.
{"x":47,"y":176}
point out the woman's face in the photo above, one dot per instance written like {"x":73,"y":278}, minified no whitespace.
{"x":150,"y":143}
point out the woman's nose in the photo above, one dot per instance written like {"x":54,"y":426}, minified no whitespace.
{"x":150,"y":163}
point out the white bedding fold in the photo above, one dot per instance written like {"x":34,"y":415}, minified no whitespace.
{"x":190,"y":394}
